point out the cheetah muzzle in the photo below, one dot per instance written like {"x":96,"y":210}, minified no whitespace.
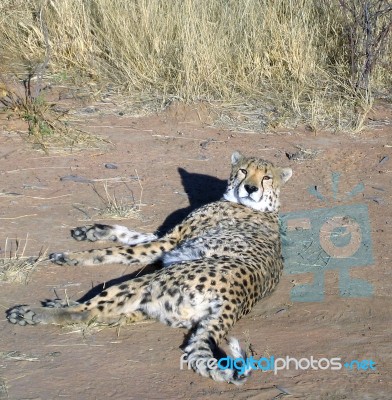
{"x":222,"y":259}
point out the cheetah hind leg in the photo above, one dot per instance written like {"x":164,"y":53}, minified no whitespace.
{"x":50,"y":314}
{"x":58,"y":313}
{"x":100,"y":308}
{"x":111,"y":233}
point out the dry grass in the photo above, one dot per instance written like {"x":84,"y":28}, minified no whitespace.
{"x":85,"y":328}
{"x":3,"y":389}
{"x":285,"y":60}
{"x":114,"y":205}
{"x":92,"y":327}
{"x":114,"y":208}
{"x":14,"y":265}
{"x":17,"y":356}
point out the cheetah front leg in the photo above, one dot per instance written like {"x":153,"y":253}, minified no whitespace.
{"x":111,"y":233}
{"x":144,"y":253}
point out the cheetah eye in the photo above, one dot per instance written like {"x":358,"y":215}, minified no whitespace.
{"x":244,"y":171}
{"x":267,"y":178}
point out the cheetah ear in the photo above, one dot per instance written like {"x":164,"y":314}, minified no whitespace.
{"x":236,"y":157}
{"x":285,"y":174}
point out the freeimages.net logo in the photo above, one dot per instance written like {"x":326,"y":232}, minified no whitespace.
{"x":267,"y":364}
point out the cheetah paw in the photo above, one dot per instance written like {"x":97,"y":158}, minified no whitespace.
{"x":81,"y":233}
{"x":95,"y":232}
{"x":21,"y":315}
{"x":62,"y":259}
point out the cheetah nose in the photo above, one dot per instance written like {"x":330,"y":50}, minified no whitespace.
{"x":250,"y":189}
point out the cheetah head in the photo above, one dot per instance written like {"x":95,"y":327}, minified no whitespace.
{"x":255,"y":183}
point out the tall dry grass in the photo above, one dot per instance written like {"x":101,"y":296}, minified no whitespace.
{"x":287,"y":60}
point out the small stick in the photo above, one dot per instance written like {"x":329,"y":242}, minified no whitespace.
{"x":20,"y":216}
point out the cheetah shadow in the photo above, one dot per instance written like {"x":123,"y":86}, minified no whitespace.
{"x":117,"y":281}
{"x":200,"y":189}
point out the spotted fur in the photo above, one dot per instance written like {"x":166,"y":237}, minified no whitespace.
{"x":220,"y":261}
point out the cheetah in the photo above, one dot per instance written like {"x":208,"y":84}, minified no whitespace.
{"x":217,"y":263}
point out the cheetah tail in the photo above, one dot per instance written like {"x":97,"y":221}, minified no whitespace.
{"x":241,"y":372}
{"x":232,"y":368}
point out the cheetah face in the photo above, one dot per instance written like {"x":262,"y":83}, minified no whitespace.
{"x":255,"y":183}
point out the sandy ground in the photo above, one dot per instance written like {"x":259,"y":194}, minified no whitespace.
{"x":181,"y":163}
